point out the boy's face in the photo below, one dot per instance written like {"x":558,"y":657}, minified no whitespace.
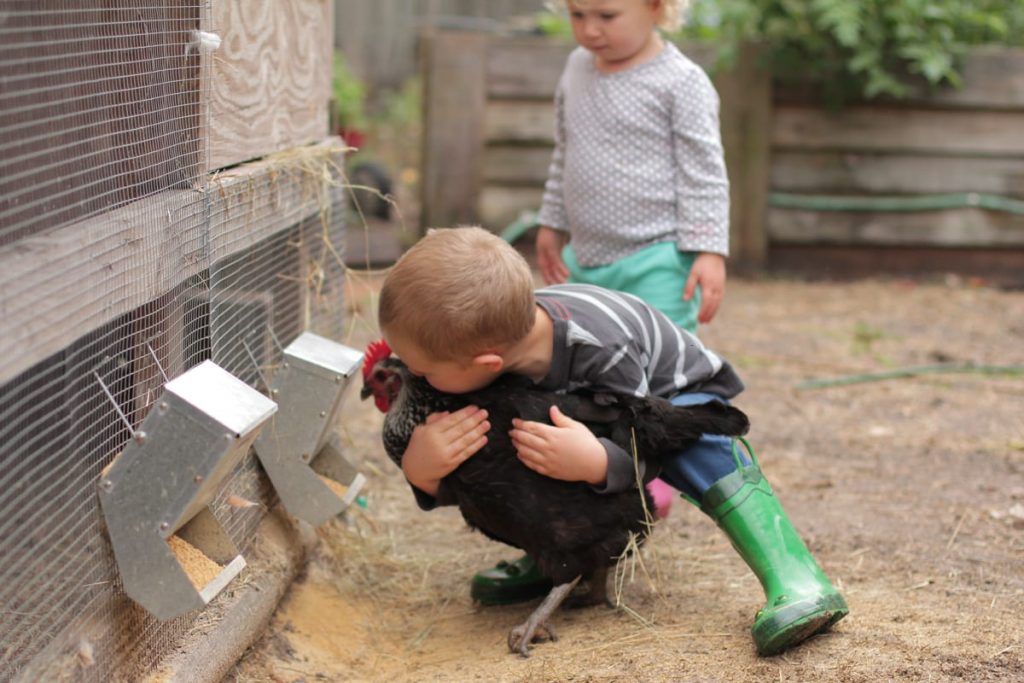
{"x":453,"y":377}
{"x":614,"y":31}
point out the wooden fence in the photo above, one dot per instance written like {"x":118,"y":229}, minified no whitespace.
{"x":933,"y":182}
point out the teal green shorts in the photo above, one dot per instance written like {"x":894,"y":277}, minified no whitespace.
{"x":656,"y":274}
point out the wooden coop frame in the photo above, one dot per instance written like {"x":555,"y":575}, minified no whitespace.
{"x":262,"y":148}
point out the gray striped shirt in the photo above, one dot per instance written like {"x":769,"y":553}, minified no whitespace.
{"x":612,"y":341}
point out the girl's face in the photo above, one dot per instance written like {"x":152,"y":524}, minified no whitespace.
{"x":619,"y":33}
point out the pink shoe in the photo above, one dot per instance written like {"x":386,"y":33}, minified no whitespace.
{"x":663,"y":495}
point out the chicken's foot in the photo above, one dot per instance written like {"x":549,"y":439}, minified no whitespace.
{"x":520,"y":637}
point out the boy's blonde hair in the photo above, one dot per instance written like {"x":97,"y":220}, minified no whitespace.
{"x":671,"y":13}
{"x":458,"y":292}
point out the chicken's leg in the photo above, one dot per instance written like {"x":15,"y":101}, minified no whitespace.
{"x":520,"y":637}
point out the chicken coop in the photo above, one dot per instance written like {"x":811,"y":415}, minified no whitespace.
{"x":171,"y":239}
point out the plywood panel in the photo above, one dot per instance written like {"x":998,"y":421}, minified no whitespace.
{"x":982,"y":133}
{"x":271,"y":81}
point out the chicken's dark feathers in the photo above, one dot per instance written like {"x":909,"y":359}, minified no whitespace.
{"x":568,"y":528}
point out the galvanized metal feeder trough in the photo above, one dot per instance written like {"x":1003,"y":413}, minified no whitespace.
{"x":172,"y":552}
{"x":299,"y":449}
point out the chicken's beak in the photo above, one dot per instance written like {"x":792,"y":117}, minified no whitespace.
{"x":365,"y":392}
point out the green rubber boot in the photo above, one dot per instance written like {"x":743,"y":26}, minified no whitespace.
{"x":801,"y":601}
{"x":509,"y":582}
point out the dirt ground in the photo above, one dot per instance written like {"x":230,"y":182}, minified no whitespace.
{"x":910,"y":492}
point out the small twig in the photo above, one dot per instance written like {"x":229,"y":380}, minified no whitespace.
{"x":949,"y":544}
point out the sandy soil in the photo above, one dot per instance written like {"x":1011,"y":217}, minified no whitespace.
{"x":910,"y":492}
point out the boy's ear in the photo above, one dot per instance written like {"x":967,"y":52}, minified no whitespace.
{"x":492,"y":361}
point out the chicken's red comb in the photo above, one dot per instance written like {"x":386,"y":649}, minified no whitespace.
{"x":375,"y":351}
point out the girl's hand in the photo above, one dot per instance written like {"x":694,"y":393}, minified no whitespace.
{"x":566,"y":450}
{"x":549,"y":255}
{"x":441,"y":444}
{"x":708,"y":272}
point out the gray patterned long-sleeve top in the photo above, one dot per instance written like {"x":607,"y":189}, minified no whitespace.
{"x":638,"y":159}
{"x":612,"y":341}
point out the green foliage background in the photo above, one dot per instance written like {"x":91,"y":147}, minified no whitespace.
{"x":853,"y":48}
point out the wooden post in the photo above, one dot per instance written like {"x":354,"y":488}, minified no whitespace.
{"x":746,"y":95}
{"x":454,"y":97}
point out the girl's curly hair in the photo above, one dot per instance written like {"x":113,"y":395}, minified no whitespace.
{"x":671,"y":14}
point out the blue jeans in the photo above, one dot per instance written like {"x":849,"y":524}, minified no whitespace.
{"x":694,"y":470}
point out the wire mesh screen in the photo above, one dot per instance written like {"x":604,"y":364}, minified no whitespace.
{"x":124,"y":263}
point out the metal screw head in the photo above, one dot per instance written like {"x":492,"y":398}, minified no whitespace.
{"x":140,"y":437}
{"x":305,"y":457}
{"x":229,"y":437}
{"x":284,"y":364}
{"x":323,"y":413}
{"x":198,"y":478}
{"x":163,"y":407}
{"x":274,"y":392}
{"x":164,"y":526}
{"x":107,"y":484}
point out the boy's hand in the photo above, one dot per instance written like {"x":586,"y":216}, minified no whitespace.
{"x":708,"y":271}
{"x":566,"y":450}
{"x":549,"y":255}
{"x":441,"y":444}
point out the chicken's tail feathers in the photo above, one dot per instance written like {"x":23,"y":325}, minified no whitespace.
{"x":710,"y":418}
{"x":688,"y":423}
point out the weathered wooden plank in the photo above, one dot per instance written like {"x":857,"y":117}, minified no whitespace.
{"x":501,"y":205}
{"x":519,"y":121}
{"x":271,"y":81}
{"x":868,"y":128}
{"x":527,"y":68}
{"x":969,"y":227}
{"x":746,"y":114}
{"x":56,"y":288}
{"x":516,"y":165}
{"x":996,"y":265}
{"x":894,"y":174}
{"x":454,"y":97}
{"x":993,"y":78}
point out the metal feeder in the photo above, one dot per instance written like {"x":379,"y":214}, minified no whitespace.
{"x":299,"y":450}
{"x":172,"y":553}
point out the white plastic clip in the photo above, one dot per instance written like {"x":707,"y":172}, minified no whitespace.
{"x":202,"y":41}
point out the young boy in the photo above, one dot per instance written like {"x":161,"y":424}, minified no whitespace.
{"x":459,"y":309}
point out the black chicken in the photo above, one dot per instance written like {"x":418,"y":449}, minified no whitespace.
{"x":571,"y":531}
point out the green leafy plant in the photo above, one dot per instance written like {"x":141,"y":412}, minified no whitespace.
{"x":860,"y":48}
{"x":850,"y":48}
{"x":349,"y":94}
